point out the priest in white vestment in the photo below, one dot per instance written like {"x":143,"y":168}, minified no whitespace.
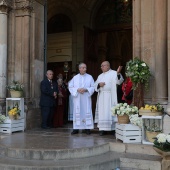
{"x":81,"y":88}
{"x":106,"y":86}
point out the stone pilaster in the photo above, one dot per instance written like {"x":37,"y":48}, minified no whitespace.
{"x":3,"y":47}
{"x":23,"y":9}
{"x":150,"y":34}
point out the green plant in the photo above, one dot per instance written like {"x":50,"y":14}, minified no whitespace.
{"x":139,"y":72}
{"x":15,"y":85}
{"x":153,"y":127}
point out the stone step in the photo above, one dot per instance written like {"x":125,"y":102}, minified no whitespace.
{"x":138,"y":161}
{"x":46,"y":154}
{"x":108,"y":161}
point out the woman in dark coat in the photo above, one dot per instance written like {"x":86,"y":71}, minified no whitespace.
{"x":60,"y":105}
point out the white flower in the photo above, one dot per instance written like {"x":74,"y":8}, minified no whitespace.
{"x":143,"y":64}
{"x":161,"y":138}
{"x":134,"y":119}
{"x":136,"y":65}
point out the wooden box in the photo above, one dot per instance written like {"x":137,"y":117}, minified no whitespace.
{"x":128,"y":133}
{"x":10,"y":126}
{"x":149,"y":113}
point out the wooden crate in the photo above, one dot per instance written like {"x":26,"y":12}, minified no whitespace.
{"x":149,"y":113}
{"x":128,"y":133}
{"x":10,"y":126}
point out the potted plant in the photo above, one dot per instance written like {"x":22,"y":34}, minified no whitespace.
{"x":139,"y":73}
{"x":123,"y":111}
{"x":14,"y":112}
{"x":16,"y":89}
{"x":152,"y":130}
{"x":151,"y":110}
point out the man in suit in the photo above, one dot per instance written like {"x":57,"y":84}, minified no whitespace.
{"x":49,"y":92}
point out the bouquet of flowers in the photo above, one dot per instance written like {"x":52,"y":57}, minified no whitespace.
{"x":123,"y":108}
{"x":15,"y":85}
{"x":162,"y":142}
{"x":14,"y":113}
{"x":136,"y":120}
{"x":2,"y":118}
{"x":138,"y":71}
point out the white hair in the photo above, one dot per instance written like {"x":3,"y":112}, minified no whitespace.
{"x":80,"y":65}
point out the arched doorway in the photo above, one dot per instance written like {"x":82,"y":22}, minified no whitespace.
{"x":59,"y":53}
{"x":109,"y":38}
{"x":59,"y":35}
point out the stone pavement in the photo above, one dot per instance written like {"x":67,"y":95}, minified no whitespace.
{"x":57,"y":149}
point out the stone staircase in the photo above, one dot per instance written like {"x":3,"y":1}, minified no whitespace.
{"x":102,"y":157}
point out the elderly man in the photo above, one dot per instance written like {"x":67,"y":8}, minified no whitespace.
{"x":81,"y":88}
{"x":106,"y":86}
{"x":47,"y":101}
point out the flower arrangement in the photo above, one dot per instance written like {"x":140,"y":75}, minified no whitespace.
{"x":136,"y":120}
{"x":138,"y":71}
{"x":14,"y":113}
{"x":2,"y":118}
{"x":15,"y":85}
{"x":152,"y":108}
{"x":123,"y":108}
{"x":162,"y":142}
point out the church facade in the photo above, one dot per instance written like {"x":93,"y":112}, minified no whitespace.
{"x":36,"y":35}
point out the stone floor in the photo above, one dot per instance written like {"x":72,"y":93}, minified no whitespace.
{"x":54,"y":138}
{"x":58,"y":149}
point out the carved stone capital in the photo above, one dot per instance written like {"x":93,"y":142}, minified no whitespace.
{"x":4,"y":6}
{"x":23,"y":7}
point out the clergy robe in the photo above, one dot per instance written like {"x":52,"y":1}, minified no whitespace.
{"x":107,"y":98}
{"x":82,"y":107}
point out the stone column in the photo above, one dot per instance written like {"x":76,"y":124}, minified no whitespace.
{"x":3,"y":47}
{"x":168,"y":60}
{"x":149,"y":44}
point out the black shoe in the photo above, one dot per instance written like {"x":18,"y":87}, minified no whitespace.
{"x":74,"y":132}
{"x":45,"y":127}
{"x":102,"y":132}
{"x":88,"y":131}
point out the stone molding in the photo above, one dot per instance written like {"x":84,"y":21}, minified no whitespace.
{"x":4,"y":6}
{"x":23,"y":8}
{"x":42,"y":2}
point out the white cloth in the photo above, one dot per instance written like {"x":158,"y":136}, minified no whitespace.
{"x":82,"y":111}
{"x":107,"y":98}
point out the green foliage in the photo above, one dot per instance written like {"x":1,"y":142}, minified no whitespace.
{"x":138,"y":71}
{"x":15,"y":85}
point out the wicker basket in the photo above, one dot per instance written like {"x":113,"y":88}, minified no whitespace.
{"x":149,"y":113}
{"x":123,"y":119}
{"x":151,"y":135}
{"x":16,"y":94}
